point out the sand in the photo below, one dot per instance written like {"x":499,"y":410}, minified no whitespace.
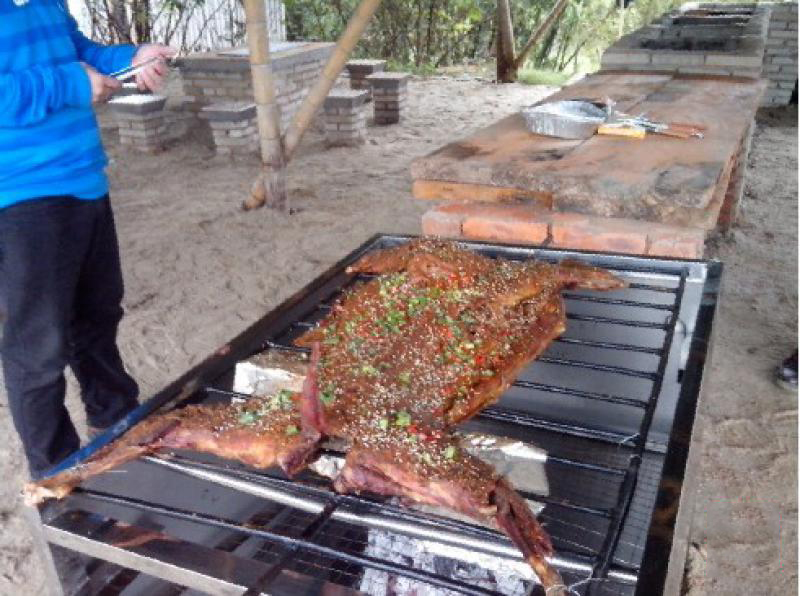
{"x":198,"y":270}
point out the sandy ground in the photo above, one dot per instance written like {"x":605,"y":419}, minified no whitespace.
{"x":198,"y":270}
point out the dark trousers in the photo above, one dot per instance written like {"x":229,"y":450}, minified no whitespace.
{"x":60,"y":295}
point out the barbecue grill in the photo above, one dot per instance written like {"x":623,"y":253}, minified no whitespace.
{"x":612,"y":403}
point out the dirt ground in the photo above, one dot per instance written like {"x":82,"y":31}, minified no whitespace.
{"x":198,"y":270}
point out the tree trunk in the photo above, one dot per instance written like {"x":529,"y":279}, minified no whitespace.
{"x":120,"y":28}
{"x":506,"y":69}
{"x":270,"y":187}
{"x":429,"y":37}
{"x":541,"y":30}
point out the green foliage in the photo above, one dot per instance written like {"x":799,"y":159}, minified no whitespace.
{"x":538,"y":76}
{"x":422,"y":35}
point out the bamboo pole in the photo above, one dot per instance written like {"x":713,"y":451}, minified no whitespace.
{"x":541,"y":30}
{"x":313,"y":101}
{"x":270,"y":187}
{"x":506,"y":73}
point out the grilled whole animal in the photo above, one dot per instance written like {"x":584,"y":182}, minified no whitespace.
{"x":437,"y":335}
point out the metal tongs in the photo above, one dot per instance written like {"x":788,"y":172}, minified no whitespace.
{"x":127,"y":73}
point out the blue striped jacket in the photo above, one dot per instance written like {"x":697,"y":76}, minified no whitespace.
{"x":49,"y":138}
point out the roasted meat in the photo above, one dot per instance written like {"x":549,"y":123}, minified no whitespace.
{"x":438,"y":334}
{"x":261,"y":432}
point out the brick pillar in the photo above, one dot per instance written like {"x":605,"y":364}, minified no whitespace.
{"x":389,"y":92}
{"x":140,"y":120}
{"x":233,"y":127}
{"x":780,"y":55}
{"x":359,"y":70}
{"x":345,"y":122}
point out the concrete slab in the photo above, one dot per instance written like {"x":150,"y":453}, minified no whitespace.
{"x":659,"y":179}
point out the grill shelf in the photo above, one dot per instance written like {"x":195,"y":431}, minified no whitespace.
{"x":612,"y":402}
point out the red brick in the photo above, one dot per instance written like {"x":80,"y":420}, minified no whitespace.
{"x":507,"y":223}
{"x":668,"y":241}
{"x":444,"y":220}
{"x":571,"y":230}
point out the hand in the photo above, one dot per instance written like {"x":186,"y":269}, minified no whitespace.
{"x":152,"y":77}
{"x":102,"y":86}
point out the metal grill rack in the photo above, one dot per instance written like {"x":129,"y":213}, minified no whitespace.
{"x":612,"y":402}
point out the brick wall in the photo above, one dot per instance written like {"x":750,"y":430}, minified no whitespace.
{"x":528,"y":224}
{"x":780,"y":54}
{"x":213,"y":78}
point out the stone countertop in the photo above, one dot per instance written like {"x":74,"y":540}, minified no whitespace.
{"x":235,"y":61}
{"x":659,"y":178}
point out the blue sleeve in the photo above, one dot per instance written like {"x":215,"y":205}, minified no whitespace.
{"x":106,"y":59}
{"x":28,"y":96}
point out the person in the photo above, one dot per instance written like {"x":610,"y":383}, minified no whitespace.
{"x":61,"y":285}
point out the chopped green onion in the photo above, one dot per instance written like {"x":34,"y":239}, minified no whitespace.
{"x":369,"y":370}
{"x":384,"y":423}
{"x":403,"y":418}
{"x":292,"y":430}
{"x":450,"y":452}
{"x":247,"y":418}
{"x":326,"y":397}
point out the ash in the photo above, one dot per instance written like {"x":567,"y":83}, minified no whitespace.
{"x":485,"y":571}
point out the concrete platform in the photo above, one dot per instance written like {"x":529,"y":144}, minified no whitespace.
{"x":679,"y":182}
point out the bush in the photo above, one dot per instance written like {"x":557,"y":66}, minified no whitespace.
{"x":538,"y":76}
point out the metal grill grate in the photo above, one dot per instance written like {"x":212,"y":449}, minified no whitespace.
{"x":600,"y":401}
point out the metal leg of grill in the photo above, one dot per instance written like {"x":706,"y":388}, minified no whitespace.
{"x":52,"y":581}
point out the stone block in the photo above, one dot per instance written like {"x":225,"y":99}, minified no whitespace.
{"x":782,"y":51}
{"x":625,"y":58}
{"x":359,"y":69}
{"x":733,"y":60}
{"x":345,"y":99}
{"x":138,"y":104}
{"x":678,"y":59}
{"x":388,"y":80}
{"x":229,"y":112}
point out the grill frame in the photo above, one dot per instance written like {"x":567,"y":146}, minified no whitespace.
{"x":667,"y":531}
